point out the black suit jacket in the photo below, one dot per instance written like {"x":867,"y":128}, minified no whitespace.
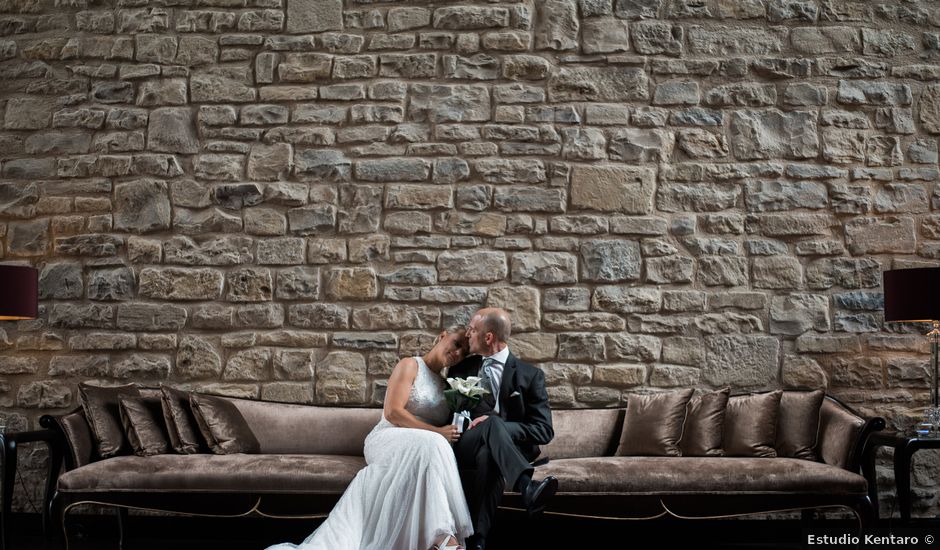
{"x":523,"y":402}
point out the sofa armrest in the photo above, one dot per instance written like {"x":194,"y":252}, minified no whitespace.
{"x":75,"y":435}
{"x":843,"y":434}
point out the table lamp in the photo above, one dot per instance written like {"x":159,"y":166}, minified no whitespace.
{"x":19,"y":297}
{"x":913,"y":296}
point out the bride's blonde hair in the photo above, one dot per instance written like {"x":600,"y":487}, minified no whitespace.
{"x":450,"y":330}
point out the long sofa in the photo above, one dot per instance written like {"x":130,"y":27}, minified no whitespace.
{"x":308,"y":455}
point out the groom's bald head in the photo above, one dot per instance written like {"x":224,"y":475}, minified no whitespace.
{"x":495,"y":320}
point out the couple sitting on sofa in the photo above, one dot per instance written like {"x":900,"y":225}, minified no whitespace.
{"x":409,"y":496}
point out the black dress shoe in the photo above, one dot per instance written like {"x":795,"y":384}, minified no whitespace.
{"x":536,"y":495}
{"x":476,"y":542}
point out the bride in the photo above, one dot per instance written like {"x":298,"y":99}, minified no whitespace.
{"x":408,"y":497}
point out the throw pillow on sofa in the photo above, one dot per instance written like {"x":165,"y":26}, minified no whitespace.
{"x":704,"y":424}
{"x":798,"y":424}
{"x":222,"y":425}
{"x":751,"y":425}
{"x":653,"y":424}
{"x":143,"y":423}
{"x":180,"y":423}
{"x":102,"y":410}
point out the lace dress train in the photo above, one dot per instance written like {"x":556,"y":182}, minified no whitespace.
{"x":409,"y":494}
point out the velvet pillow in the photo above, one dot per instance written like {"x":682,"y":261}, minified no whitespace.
{"x":704,"y":424}
{"x":751,"y":425}
{"x":653,"y":424}
{"x":102,"y":409}
{"x":798,"y":424}
{"x":143,"y":423}
{"x":181,"y":425}
{"x":223,"y":426}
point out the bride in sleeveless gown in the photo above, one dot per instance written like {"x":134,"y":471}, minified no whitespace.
{"x":408,"y":497}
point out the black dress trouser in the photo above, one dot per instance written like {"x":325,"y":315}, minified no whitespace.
{"x":488,"y":454}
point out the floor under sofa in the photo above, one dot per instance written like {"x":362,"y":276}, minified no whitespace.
{"x":514,"y":530}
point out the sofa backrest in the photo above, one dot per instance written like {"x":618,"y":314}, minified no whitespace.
{"x":283,"y":428}
{"x":584,"y":432}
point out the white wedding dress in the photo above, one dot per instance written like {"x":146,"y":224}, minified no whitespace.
{"x":409,"y":494}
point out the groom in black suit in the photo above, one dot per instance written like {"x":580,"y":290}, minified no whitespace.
{"x":507,"y":426}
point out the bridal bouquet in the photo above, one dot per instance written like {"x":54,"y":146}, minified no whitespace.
{"x":463,"y":395}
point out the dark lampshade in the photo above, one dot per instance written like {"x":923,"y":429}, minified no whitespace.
{"x":19,"y":297}
{"x":912,"y":295}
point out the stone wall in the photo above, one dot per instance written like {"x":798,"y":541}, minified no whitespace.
{"x":279,"y":198}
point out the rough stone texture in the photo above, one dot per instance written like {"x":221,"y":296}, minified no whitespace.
{"x":279,"y":199}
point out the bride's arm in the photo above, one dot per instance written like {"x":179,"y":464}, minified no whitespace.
{"x":396,"y":397}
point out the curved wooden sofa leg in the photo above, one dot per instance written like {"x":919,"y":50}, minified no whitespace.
{"x":58,"y":508}
{"x":864,"y":509}
{"x":807,"y":516}
{"x":122,"y":526}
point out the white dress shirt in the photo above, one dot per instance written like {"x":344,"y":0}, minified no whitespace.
{"x":496,"y":369}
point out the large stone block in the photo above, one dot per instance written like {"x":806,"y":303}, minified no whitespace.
{"x":795,"y":314}
{"x":776,"y":272}
{"x":622,"y":299}
{"x":612,"y":188}
{"x":669,"y":269}
{"x":341,"y":378}
{"x":735,"y":41}
{"x":557,"y":26}
{"x":249,"y":284}
{"x":318,"y":316}
{"x":270,"y":162}
{"x":771,"y":133}
{"x":197,"y":358}
{"x":111,"y":284}
{"x":929,"y":107}
{"x":544,"y":268}
{"x":61,"y":281}
{"x":878,"y":236}
{"x":307,"y":16}
{"x":656,"y":37}
{"x":471,"y":266}
{"x":444,"y":103}
{"x":142,"y":366}
{"x":223,"y":250}
{"x":522,"y":303}
{"x":610,"y":260}
{"x":741,"y":361}
{"x":172,"y":130}
{"x":470,"y":17}
{"x":393,"y":316}
{"x":614,"y":83}
{"x":248,"y":365}
{"x":141,"y":317}
{"x":356,"y":283}
{"x":174,"y":283}
{"x":141,"y":206}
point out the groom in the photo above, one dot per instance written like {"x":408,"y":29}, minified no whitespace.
{"x":507,"y":427}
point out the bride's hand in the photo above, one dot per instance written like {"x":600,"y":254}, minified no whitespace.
{"x":449,"y":432}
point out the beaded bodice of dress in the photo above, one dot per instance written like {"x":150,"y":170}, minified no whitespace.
{"x":426,"y":400}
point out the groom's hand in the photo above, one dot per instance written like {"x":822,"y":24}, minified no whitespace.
{"x":476,"y":421}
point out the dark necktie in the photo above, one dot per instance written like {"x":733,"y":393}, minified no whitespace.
{"x":487,"y":381}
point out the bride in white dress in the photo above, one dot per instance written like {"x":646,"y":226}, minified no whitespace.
{"x":409,"y":496}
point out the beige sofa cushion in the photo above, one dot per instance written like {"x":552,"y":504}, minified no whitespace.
{"x":237,"y":473}
{"x":750,"y":427}
{"x":700,"y":475}
{"x":653,"y":425}
{"x":798,"y":424}
{"x":584,"y":432}
{"x":283,"y":428}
